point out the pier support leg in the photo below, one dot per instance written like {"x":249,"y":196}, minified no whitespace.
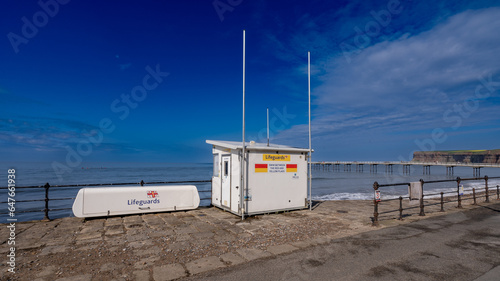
{"x":476,"y":171}
{"x":449,"y":170}
{"x":426,"y":170}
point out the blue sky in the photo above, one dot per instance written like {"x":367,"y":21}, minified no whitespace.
{"x":150,"y":81}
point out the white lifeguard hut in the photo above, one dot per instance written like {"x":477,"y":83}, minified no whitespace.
{"x":256,"y":178}
{"x":275,"y":177}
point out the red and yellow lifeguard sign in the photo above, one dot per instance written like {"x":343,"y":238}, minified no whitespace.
{"x":261,"y":168}
{"x":291,"y":168}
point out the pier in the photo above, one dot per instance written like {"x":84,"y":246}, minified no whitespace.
{"x":389,"y":169}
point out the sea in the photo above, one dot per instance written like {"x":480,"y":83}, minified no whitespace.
{"x":327,"y":184}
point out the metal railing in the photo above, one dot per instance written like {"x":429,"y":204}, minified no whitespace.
{"x":47,"y":199}
{"x":459,"y":196}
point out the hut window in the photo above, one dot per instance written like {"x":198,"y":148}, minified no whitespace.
{"x":216,"y":165}
{"x":226,"y":168}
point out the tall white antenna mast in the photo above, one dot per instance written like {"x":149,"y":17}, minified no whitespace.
{"x":243,"y":145}
{"x":268,"y":126}
{"x":310,"y":149}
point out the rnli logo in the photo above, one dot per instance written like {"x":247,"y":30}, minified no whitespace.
{"x":153,"y":194}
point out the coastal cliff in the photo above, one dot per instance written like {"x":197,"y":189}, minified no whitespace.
{"x":461,"y":156}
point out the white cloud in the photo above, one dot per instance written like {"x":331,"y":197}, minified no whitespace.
{"x":402,"y":72}
{"x":406,"y":85}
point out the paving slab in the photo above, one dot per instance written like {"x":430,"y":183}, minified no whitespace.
{"x":53,"y":250}
{"x":85,"y":277}
{"x":132,"y":219}
{"x":161,"y":233}
{"x":204,"y":264}
{"x":88,"y":235}
{"x":225,"y":238}
{"x":49,"y":270}
{"x":29,"y":245}
{"x":88,"y":247}
{"x":244,"y":236}
{"x":141,"y":275}
{"x":88,"y":241}
{"x":91,"y":228}
{"x":145,"y":262}
{"x":136,"y":237}
{"x":252,"y":254}
{"x":148,"y":251}
{"x":168,"y":272}
{"x":202,"y":235}
{"x":153,"y":221}
{"x":185,"y":230}
{"x":137,"y":225}
{"x":57,"y":241}
{"x":183,"y":238}
{"x":114,"y":230}
{"x":235,"y":229}
{"x":115,"y":240}
{"x":33,"y":233}
{"x":113,"y":221}
{"x":172,"y":221}
{"x":320,"y":240}
{"x":139,"y":244}
{"x":232,"y":258}
{"x":302,"y":244}
{"x":249,"y":227}
{"x":179,"y":246}
{"x":281,"y":249}
{"x":111,"y":266}
{"x":204,"y":227}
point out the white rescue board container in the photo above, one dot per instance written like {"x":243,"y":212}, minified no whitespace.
{"x":124,"y":200}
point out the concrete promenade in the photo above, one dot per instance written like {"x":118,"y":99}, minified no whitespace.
{"x":457,"y":246}
{"x":169,"y":246}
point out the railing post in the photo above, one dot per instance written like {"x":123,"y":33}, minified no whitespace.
{"x":458,"y":193}
{"x":486,"y":187}
{"x":422,"y":199}
{"x":375,"y":206}
{"x":46,"y":186}
{"x":400,"y":208}
{"x":442,"y":202}
{"x":474,"y":196}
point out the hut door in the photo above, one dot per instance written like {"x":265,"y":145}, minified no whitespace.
{"x":226,"y":181}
